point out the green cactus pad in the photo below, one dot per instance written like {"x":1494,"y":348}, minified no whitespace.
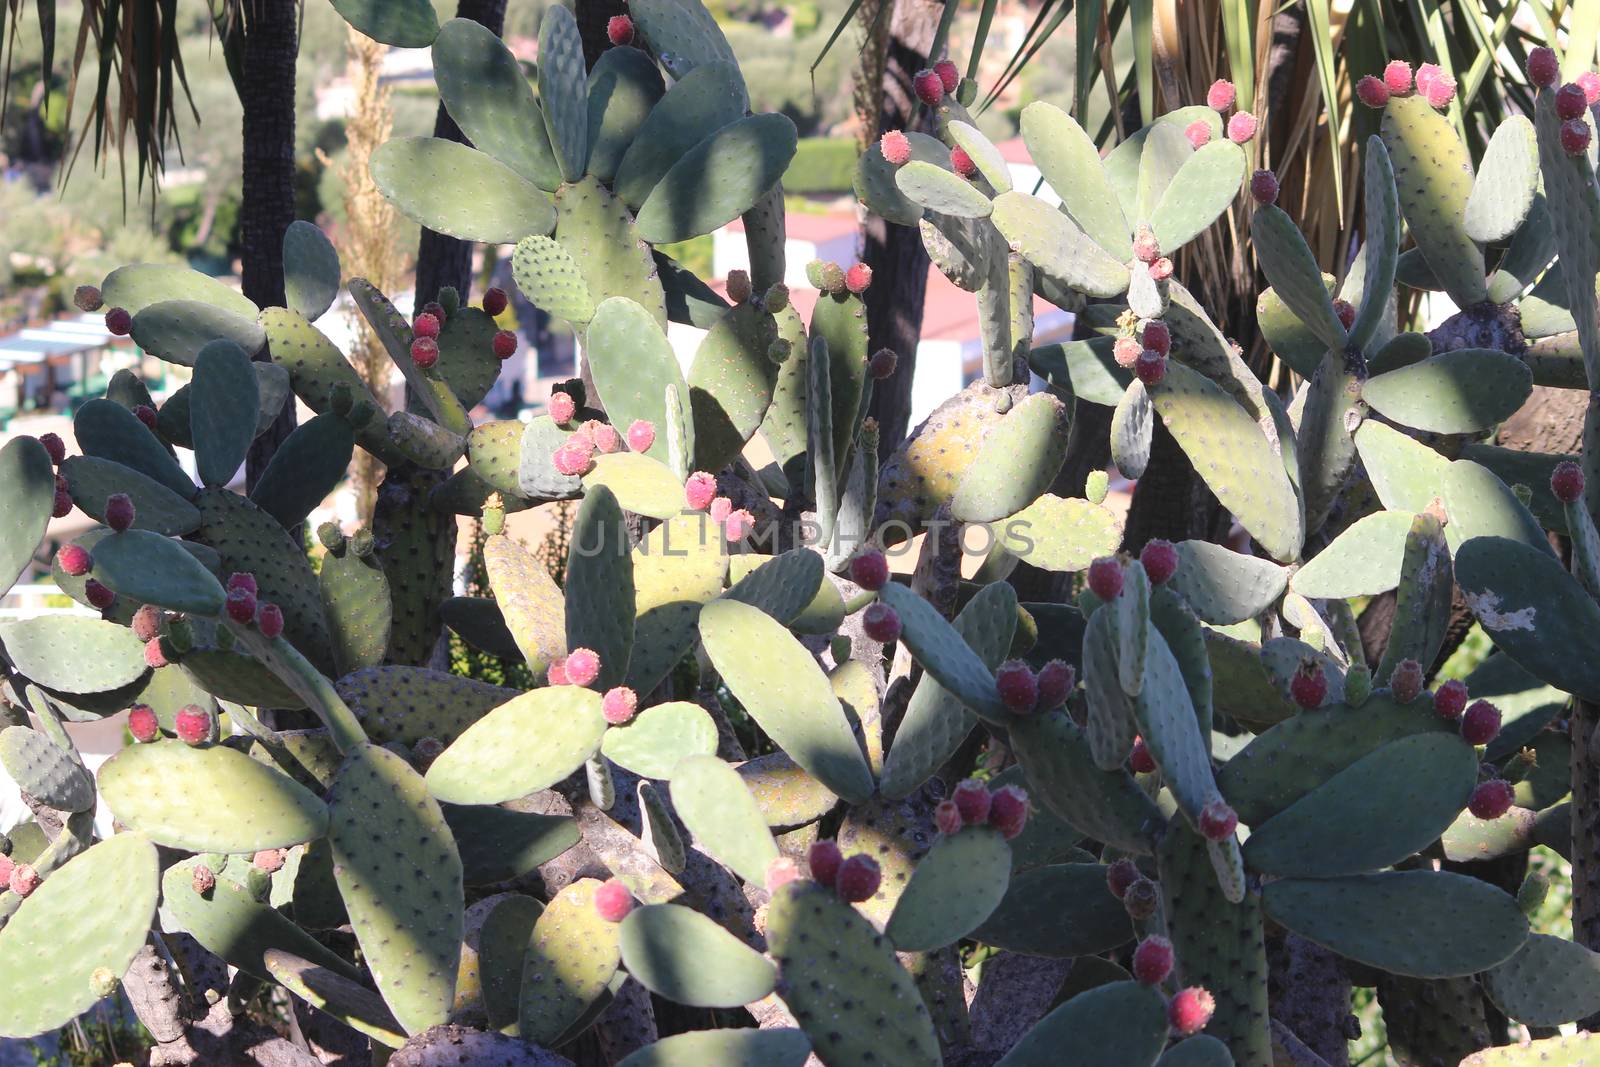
{"x":1433,"y":176}
{"x":876,"y":187}
{"x":1548,"y":982}
{"x":526,"y":744}
{"x":484,"y":88}
{"x":549,"y":276}
{"x":1380,"y":252}
{"x":1201,"y":1050}
{"x":1364,"y":560}
{"x":1404,"y":922}
{"x":1204,"y":186}
{"x":400,"y":877}
{"x":679,"y":954}
{"x":495,"y":451}
{"x":677,"y":567}
{"x":1406,"y":475}
{"x":1294,"y":342}
{"x":726,"y":1048}
{"x":943,"y":654}
{"x":633,"y":365}
{"x":355,"y":599}
{"x":1062,"y":776}
{"x":272,"y":382}
{"x":467,"y":363}
{"x":840,"y":321}
{"x":1018,"y":461}
{"x":176,"y":330}
{"x":1574,"y":1051}
{"x":1325,"y":452}
{"x":1046,"y":838}
{"x":532,"y":607}
{"x":1070,"y":162}
{"x":683,"y":33}
{"x":92,"y":480}
{"x":690,"y":301}
{"x":310,"y":269}
{"x":500,"y":844}
{"x":599,"y":585}
{"x":1225,"y":587}
{"x":308,"y":465}
{"x":44,"y":770}
{"x":1166,"y":149}
{"x":707,"y":99}
{"x":718,"y":179}
{"x":489,"y":201}
{"x":781,"y":586}
{"x":1060,"y":533}
{"x":90,"y":915}
{"x":391,"y":328}
{"x":788,"y":796}
{"x":803,"y":716}
{"x":315,"y":366}
{"x":29,"y":487}
{"x":110,"y":431}
{"x":1294,"y":274}
{"x":571,"y":958}
{"x":1132,"y":426}
{"x":402,"y":23}
{"x":1464,"y":391}
{"x":640,"y":483}
{"x":983,"y":153}
{"x":1507,"y":182}
{"x":719,"y":810}
{"x":653,"y":742}
{"x":1481,"y":505}
{"x":1569,"y":182}
{"x":1376,"y":812}
{"x":1171,"y":730}
{"x":564,"y":90}
{"x":1054,"y":244}
{"x":1422,"y":601}
{"x":502,"y":942}
{"x":156,"y":570}
{"x":1110,"y":724}
{"x":104,"y":656}
{"x":938,"y":189}
{"x":954,"y":889}
{"x":352,"y":1004}
{"x":731,"y":383}
{"x":624,"y":87}
{"x":239,"y":678}
{"x":1120,"y":1024}
{"x":138,"y":285}
{"x":406,"y":704}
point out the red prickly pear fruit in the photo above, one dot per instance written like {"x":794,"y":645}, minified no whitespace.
{"x":1264,"y":187}
{"x":1450,"y":699}
{"x":154,"y":655}
{"x":269,"y":620}
{"x":1139,"y":759}
{"x":147,"y":415}
{"x":700,"y":490}
{"x":1018,"y":686}
{"x":1146,"y":249}
{"x":739,"y":286}
{"x":24,"y":879}
{"x":781,"y":871}
{"x":147,"y":623}
{"x":1126,"y":351}
{"x":1008,"y":811}
{"x":562,"y":407}
{"x":1566,"y":482}
{"x":972,"y":800}
{"x":1543,"y":67}
{"x":857,"y":278}
{"x":426,"y":325}
{"x":738,"y":524}
{"x":1152,"y":960}
{"x":1440,"y":91}
{"x":1405,"y":682}
{"x":870,"y":569}
{"x":949,"y":76}
{"x":436,"y":309}
{"x":1372,"y":91}
{"x":719,"y":510}
{"x":1105,"y":578}
{"x":1309,"y":686}
{"x":1156,"y":336}
{"x":1345,"y":312}
{"x":87,"y":298}
{"x":1491,"y":799}
{"x":142,"y":723}
{"x":1151,"y":368}
{"x":1241,"y":127}
{"x":1142,"y":900}
{"x":243,"y":580}
{"x":1198,"y":133}
{"x":269,"y":860}
{"x":619,"y":30}
{"x":619,"y":705}
{"x":1571,"y":102}
{"x":1056,"y":680}
{"x":494,"y":301}
{"x":203,"y":880}
{"x":1574,"y":137}
{"x":1480,"y":723}
{"x":1427,"y":75}
{"x":75,"y":560}
{"x":881,"y":623}
{"x":858,"y":879}
{"x":896,"y":148}
{"x":606,"y":438}
{"x":929,"y":87}
{"x":612,"y":901}
{"x":54,"y":447}
{"x":1190,"y":1009}
{"x":118,"y":322}
{"x":1160,"y":560}
{"x":641,"y":435}
{"x":425,"y":352}
{"x":242,"y":606}
{"x":582,"y":666}
{"x":119,"y":511}
{"x":556,"y":673}
{"x":61,"y":507}
{"x":947,"y":817}
{"x":504,"y":345}
{"x":6,"y":867}
{"x":1218,"y":821}
{"x":962,"y":162}
{"x":1221,"y":95}
{"x":1161,"y":269}
{"x":192,"y":725}
{"x":823,"y":859}
{"x":882,"y":363}
{"x":573,"y":461}
{"x":1589,"y":82}
{"x":99,"y":596}
{"x":1397,"y":76}
{"x":1121,"y":875}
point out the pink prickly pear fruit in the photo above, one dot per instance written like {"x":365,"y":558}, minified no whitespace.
{"x":573,"y":460}
{"x":436,"y":309}
{"x":1190,"y":1009}
{"x":700,"y":490}
{"x":1008,"y":811}
{"x":1146,"y":249}
{"x":147,"y":622}
{"x":1440,"y":91}
{"x":1589,"y":82}
{"x":606,"y":438}
{"x":1241,"y":127}
{"x":203,"y":880}
{"x":6,"y":867}
{"x":269,"y":620}
{"x":192,"y":725}
{"x":269,"y":860}
{"x":1152,"y":960}
{"x":1397,"y":76}
{"x":119,"y":511}
{"x":896,"y":148}
{"x":494,"y":301}
{"x":949,"y":76}
{"x":973,"y":800}
{"x":425,"y":352}
{"x":54,"y":447}
{"x":882,"y":363}
{"x":1120,"y":875}
{"x":1491,"y":799}
{"x":504,"y":345}
{"x":87,"y":298}
{"x":562,"y":407}
{"x":583,"y":666}
{"x":1151,"y":368}
{"x":1198,"y":133}
{"x":1345,"y":312}
{"x":738,"y":525}
{"x":1218,"y":821}
{"x":142,"y":723}
{"x":1221,"y":95}
{"x":1427,"y":75}
{"x":1105,"y":578}
{"x":1160,"y":560}
{"x":739,"y":286}
{"x":1571,"y":101}
{"x":858,"y":879}
{"x":1574,"y":137}
{"x":243,"y":580}
{"x":1142,"y":900}
{"x":612,"y":901}
{"x":1264,"y":187}
{"x":947,"y":817}
{"x":154,"y":655}
{"x":881,"y":623}
{"x":1405,"y":682}
{"x":1372,"y":92}
{"x":1161,"y":269}
{"x":1309,"y":686}
{"x":24,"y":879}
{"x":1126,"y":351}
{"x":119,"y":322}
{"x":242,"y":606}
{"x":426,"y":325}
{"x":619,"y":705}
{"x":1018,"y":686}
{"x":75,"y":560}
{"x":1156,"y":336}
{"x":1543,"y":67}
{"x":870,"y":569}
{"x":619,"y":30}
{"x":929,"y":87}
{"x":823,"y":859}
{"x":857,"y":278}
{"x":99,"y":596}
{"x":1480,"y":723}
{"x":719,"y":510}
{"x":556,"y":673}
{"x":1056,"y":680}
{"x":1139,"y":759}
{"x":781,"y":871}
{"x":1566,"y":482}
{"x":1450,"y":699}
{"x":962,"y":162}
{"x":641,"y":435}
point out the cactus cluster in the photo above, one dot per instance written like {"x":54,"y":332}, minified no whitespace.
{"x":1100,"y":814}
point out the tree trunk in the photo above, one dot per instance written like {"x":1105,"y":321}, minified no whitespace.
{"x":271,"y":44}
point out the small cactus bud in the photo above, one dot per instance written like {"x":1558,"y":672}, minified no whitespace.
{"x":1146,"y":249}
{"x":1589,"y":82}
{"x":1151,"y":367}
{"x":147,"y":622}
{"x":1160,"y":560}
{"x":858,"y":879}
{"x":641,"y":435}
{"x":1096,"y":487}
{"x":739,"y":286}
{"x":823,"y":858}
{"x":1491,"y":799}
{"x":1019,"y":688}
{"x":203,"y":880}
{"x":1221,"y":95}
{"x":1532,"y":892}
{"x":967,"y":92}
{"x":269,"y":860}
{"x":242,"y":606}
{"x":1161,"y":269}
{"x":87,"y":298}
{"x":1152,"y":960}
{"x":779,"y":350}
{"x":1241,"y":127}
{"x":1056,"y":680}
{"x":1372,"y":92}
{"x":1105,"y":578}
{"x":24,"y":879}
{"x":583,"y":666}
{"x":118,"y":322}
{"x":929,"y":87}
{"x":962,"y":163}
{"x":269,"y":620}
{"x":192,"y":725}
{"x":619,"y":705}
{"x":331,"y":536}
{"x":494,"y":301}
{"x":781,"y":871}
{"x":1139,"y":759}
{"x":721,"y":507}
{"x":75,"y":560}
{"x":426,"y":325}
{"x":1574,"y":137}
{"x":1120,"y":875}
{"x":619,"y":30}
{"x":1142,"y":900}
{"x":102,"y":982}
{"x":1218,"y":821}
{"x":1345,"y":312}
{"x":449,"y":302}
{"x":99,"y":596}
{"x":814,"y":273}
{"x":1357,"y":685}
{"x":870,"y":569}
{"x":972,"y":799}
{"x":142,"y":723}
{"x":562,"y":407}
{"x":1190,"y":1009}
{"x":119,"y":511}
{"x":1264,"y":187}
{"x":1126,"y":351}
{"x":155,"y":656}
{"x":425,"y":751}
{"x":1566,"y":482}
{"x":1198,"y":133}
{"x":606,"y":438}
{"x":738,"y":525}
{"x":613,"y":901}
{"x":947,"y":817}
{"x":1571,"y":102}
{"x":776,"y":298}
{"x":949,"y":76}
{"x":1309,"y":686}
{"x":896,"y":148}
{"x":1480,"y":723}
{"x":882,"y":363}
{"x":857,"y":278}
{"x":1397,"y":77}
{"x":1543,"y":67}
{"x":1156,"y":336}
{"x":243,"y":580}
{"x":700,"y":490}
{"x":425,"y":352}
{"x":504,"y":345}
{"x":54,"y":447}
{"x":1405,"y":682}
{"x":556,"y":673}
{"x":1450,"y":700}
{"x":1008,"y":811}
{"x":573,"y":461}
{"x":832,"y":278}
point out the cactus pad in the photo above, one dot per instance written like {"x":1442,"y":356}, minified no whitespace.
{"x":490,"y":201}
{"x":1434,"y":179}
{"x":719,"y":810}
{"x":718,"y":179}
{"x":1056,"y":247}
{"x":956,"y":886}
{"x":104,"y":656}
{"x":727,"y":1048}
{"x":406,"y":704}
{"x":526,"y":744}
{"x":43,"y":770}
{"x":654,"y":741}
{"x":483,"y":87}
{"x":1548,"y":982}
{"x":572,"y":956}
{"x":157,"y":570}
{"x":1120,"y":1024}
{"x":677,"y":953}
